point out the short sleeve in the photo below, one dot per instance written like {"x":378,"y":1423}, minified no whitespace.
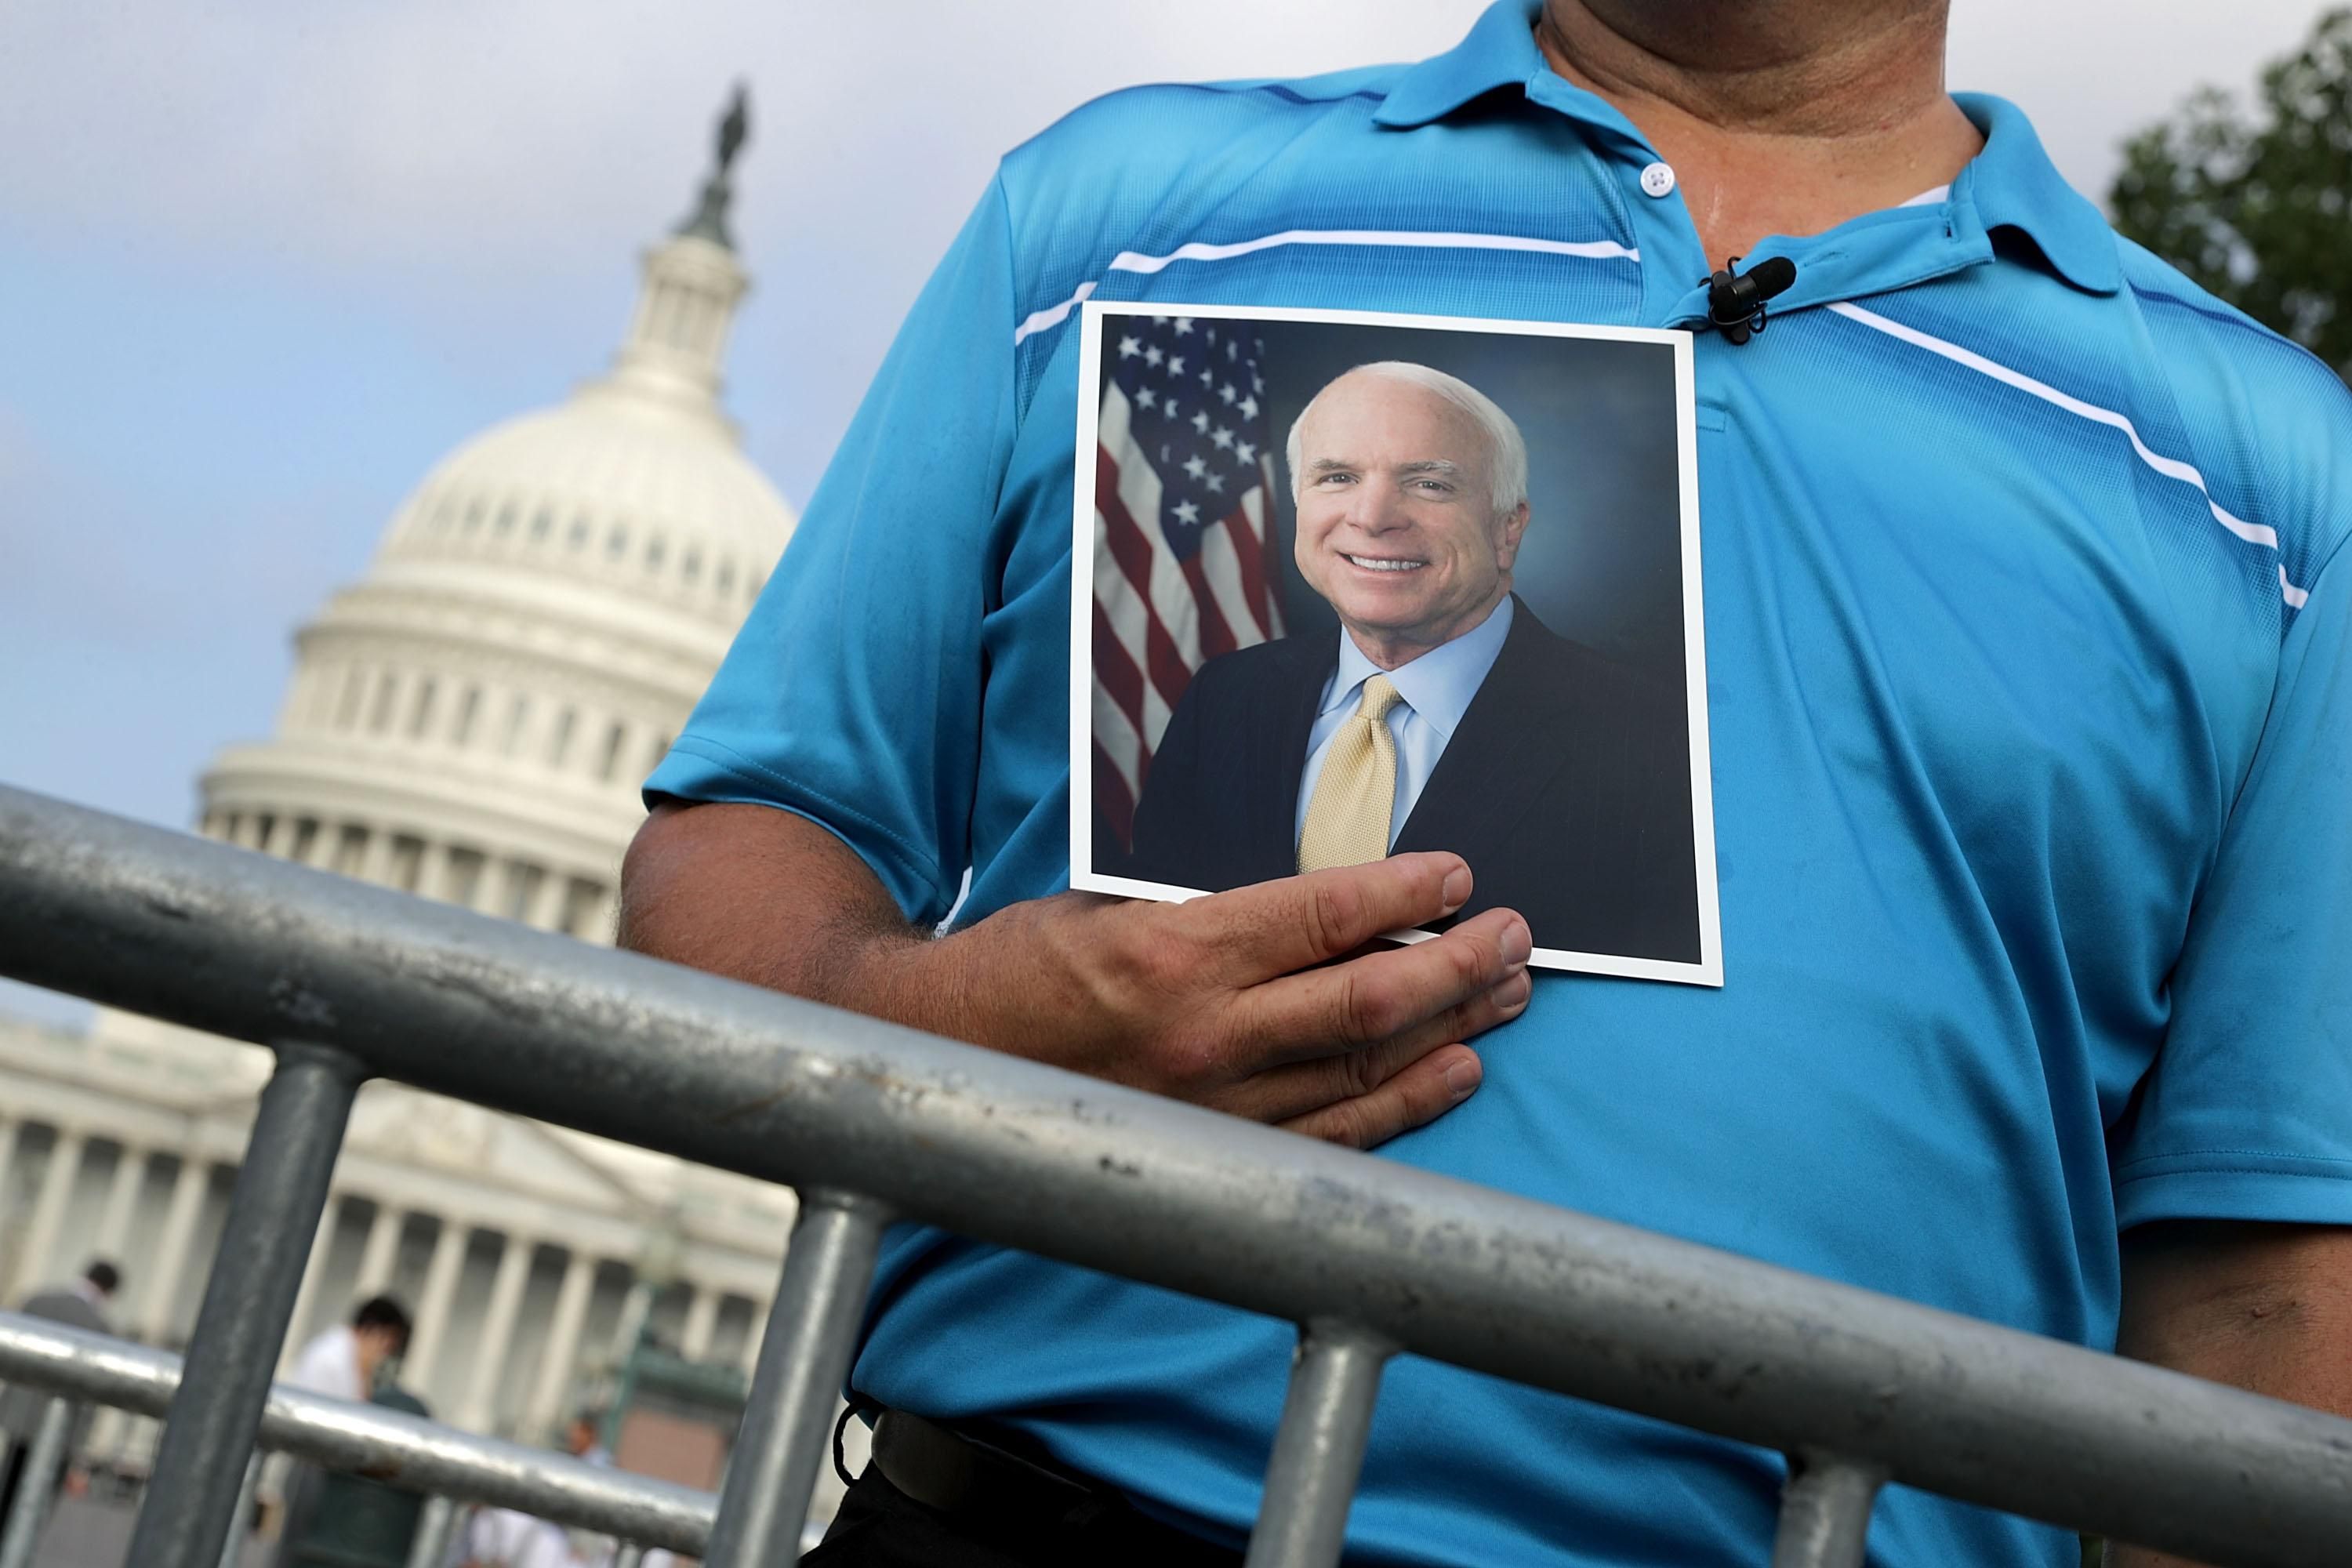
{"x":852,"y":695}
{"x":2247,"y":1114}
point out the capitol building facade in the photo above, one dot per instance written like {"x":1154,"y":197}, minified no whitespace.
{"x":469,"y":723}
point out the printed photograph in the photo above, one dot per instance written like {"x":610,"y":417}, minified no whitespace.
{"x":1362,"y":584}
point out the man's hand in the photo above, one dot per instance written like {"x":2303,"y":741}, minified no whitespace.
{"x":2266,"y":1307}
{"x":1262,"y":1001}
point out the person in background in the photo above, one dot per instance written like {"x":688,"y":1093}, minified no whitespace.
{"x":80,"y":1305}
{"x":583,"y":1439}
{"x":343,"y":1362}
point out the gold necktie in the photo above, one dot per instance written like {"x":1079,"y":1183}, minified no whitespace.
{"x":1347,"y":815}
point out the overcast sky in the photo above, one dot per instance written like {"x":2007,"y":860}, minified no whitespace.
{"x":262,"y":264}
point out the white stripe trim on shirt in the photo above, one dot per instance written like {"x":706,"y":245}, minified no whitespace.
{"x":1410,"y":239}
{"x":1039,"y":320}
{"x":2170,"y":467}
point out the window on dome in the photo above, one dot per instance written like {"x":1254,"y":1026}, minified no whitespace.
{"x":506,"y":520}
{"x":350,"y":849}
{"x":581,"y":901}
{"x":616,"y":543}
{"x":692,"y":568}
{"x":517,"y":711}
{"x":560,"y":746}
{"x":264,"y":828}
{"x":408,"y":862}
{"x":463,"y":880}
{"x":306,"y":840}
{"x":541,"y":524}
{"x":474,"y":515}
{"x":656,"y":549}
{"x":579,"y":532}
{"x":726,"y":579}
{"x":229,"y":824}
{"x":380,"y":716}
{"x":609,"y":758}
{"x":347,"y":712}
{"x":660,"y":751}
{"x":421,"y":715}
{"x":521,"y":890}
{"x":468,"y":705}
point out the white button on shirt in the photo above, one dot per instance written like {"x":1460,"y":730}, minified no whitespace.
{"x":1658,"y":180}
{"x":1435,"y":689}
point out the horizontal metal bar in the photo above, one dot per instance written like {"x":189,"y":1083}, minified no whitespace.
{"x":1009,"y":1152}
{"x":1825,"y":1512}
{"x":1319,"y":1448}
{"x":370,"y":1440}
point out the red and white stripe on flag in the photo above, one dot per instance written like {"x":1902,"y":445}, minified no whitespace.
{"x":1159,"y":614}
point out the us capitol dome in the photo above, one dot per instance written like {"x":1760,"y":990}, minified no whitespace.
{"x":469,"y":722}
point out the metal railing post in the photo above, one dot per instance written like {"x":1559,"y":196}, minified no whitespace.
{"x":437,"y":1521}
{"x":1825,"y":1512}
{"x":273,"y":1212}
{"x":630,"y":1555}
{"x":1319,"y":1449}
{"x":232,"y":1552}
{"x":803,"y":1361}
{"x":1013,"y":1153}
{"x":35,"y":1486}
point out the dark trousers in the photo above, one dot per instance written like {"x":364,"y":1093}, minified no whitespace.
{"x":12,"y":1469}
{"x":881,"y":1527}
{"x":12,"y":1475}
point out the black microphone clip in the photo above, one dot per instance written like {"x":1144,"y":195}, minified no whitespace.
{"x":1736,"y":300}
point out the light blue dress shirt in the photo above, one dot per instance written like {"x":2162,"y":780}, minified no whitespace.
{"x":1436,"y":689}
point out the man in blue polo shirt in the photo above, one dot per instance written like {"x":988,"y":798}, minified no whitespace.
{"x":2031,"y":712}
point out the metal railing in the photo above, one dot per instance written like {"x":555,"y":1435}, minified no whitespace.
{"x":874,"y":1122}
{"x":405,"y":1450}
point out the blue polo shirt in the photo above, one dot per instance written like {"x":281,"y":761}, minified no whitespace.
{"x":2032,"y":714}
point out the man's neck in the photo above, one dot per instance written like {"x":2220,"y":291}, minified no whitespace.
{"x":1778,"y":116}
{"x":1392,"y":651}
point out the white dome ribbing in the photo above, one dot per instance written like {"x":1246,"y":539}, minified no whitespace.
{"x":471,"y":720}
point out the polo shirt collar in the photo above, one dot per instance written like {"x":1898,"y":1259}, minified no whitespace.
{"x":2010,"y":185}
{"x":1500,"y":52}
{"x":2013,"y":185}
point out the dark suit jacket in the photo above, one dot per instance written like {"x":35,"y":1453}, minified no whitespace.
{"x":1566,"y":787}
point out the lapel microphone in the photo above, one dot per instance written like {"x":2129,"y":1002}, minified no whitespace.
{"x":1736,"y":299}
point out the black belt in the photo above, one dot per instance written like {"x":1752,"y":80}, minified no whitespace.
{"x":1001,"y":1495}
{"x":958,"y":1475}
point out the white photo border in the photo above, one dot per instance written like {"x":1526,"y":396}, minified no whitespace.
{"x":1708,"y":969}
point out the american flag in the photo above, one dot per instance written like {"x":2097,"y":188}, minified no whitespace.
{"x":1183,"y":487}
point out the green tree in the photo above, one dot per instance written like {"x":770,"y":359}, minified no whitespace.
{"x":2257,"y":207}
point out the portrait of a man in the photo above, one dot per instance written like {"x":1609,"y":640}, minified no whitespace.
{"x":1445,"y":714}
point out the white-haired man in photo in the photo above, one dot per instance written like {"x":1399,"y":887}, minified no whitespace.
{"x":1444,"y":714}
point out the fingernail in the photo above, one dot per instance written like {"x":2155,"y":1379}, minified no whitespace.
{"x":1456,"y":891}
{"x":1515,"y":944}
{"x":1462,"y":1077}
{"x":1512,"y":995}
